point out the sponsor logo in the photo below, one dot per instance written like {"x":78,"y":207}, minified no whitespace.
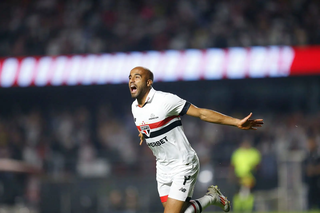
{"x":152,"y":116}
{"x":158,"y":143}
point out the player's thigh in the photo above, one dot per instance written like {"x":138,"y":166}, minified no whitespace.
{"x":183,"y":184}
{"x":164,"y":190}
{"x":173,"y":205}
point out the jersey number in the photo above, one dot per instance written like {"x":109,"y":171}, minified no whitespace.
{"x":185,"y":179}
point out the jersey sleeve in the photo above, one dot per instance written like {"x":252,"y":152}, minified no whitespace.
{"x":176,"y":105}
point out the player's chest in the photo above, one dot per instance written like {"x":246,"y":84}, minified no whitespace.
{"x":149,"y":115}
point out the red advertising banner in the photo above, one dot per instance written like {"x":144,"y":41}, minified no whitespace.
{"x":306,"y":61}
{"x":171,"y":65}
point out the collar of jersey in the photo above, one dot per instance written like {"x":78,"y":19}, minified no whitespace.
{"x":149,"y":97}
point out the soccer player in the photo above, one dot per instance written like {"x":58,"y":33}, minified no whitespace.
{"x":157,"y":117}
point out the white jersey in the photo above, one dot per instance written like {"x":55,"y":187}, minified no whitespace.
{"x":159,"y":120}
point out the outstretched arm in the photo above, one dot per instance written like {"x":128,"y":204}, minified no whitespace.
{"x":218,"y":118}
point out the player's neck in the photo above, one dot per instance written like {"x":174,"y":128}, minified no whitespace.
{"x":142,"y":100}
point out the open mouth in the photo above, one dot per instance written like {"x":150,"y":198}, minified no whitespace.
{"x":133,"y":88}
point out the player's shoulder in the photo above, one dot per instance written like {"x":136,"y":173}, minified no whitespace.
{"x":164,"y":94}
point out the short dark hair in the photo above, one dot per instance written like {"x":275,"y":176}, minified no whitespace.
{"x":150,"y":75}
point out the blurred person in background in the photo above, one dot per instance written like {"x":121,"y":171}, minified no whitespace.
{"x":116,"y":202}
{"x":245,"y":161}
{"x":157,"y":117}
{"x":131,"y":199}
{"x":312,"y":174}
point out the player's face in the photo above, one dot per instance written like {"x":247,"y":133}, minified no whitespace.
{"x":138,"y":83}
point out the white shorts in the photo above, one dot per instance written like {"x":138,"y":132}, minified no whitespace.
{"x":179,"y":183}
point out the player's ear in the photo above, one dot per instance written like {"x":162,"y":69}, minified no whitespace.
{"x":149,"y":82}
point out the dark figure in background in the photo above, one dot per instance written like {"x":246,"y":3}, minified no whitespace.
{"x":312,"y":174}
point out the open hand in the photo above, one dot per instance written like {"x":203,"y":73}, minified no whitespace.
{"x":247,"y":123}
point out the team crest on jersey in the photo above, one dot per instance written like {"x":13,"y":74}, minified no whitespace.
{"x":145,"y":128}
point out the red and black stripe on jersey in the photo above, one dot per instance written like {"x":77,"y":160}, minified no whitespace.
{"x":164,"y":122}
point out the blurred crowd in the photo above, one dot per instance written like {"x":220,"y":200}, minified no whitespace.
{"x":51,"y":27}
{"x":80,"y":142}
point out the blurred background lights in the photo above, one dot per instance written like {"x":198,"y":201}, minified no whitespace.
{"x":205,"y":176}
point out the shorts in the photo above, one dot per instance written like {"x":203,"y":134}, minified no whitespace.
{"x":178,"y":184}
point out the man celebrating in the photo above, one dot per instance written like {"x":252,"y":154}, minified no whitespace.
{"x":157,"y":117}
